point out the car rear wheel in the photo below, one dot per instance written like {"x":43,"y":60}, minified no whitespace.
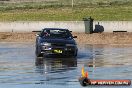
{"x":38,"y":53}
{"x":75,"y":55}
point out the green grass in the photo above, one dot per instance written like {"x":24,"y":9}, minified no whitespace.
{"x":61,"y":10}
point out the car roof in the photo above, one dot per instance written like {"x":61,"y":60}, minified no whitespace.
{"x":54,"y":29}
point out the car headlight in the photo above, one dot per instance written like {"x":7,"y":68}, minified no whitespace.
{"x":70,"y":45}
{"x":46,"y":44}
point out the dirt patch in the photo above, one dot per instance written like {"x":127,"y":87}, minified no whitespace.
{"x":104,"y":38}
{"x":17,"y":37}
{"x":82,"y":38}
{"x":5,"y":36}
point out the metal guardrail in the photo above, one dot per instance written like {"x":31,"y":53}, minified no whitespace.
{"x":119,"y":31}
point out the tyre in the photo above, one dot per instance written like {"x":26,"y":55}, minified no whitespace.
{"x":75,"y":55}
{"x":38,"y":52}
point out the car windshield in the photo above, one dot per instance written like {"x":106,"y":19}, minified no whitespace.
{"x":57,"y":34}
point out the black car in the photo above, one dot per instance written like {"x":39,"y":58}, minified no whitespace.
{"x":55,"y":41}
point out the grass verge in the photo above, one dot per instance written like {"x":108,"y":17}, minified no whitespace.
{"x":102,"y":10}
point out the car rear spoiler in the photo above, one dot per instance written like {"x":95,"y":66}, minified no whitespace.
{"x":36,"y":31}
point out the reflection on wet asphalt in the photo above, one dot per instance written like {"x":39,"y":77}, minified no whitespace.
{"x":20,"y":67}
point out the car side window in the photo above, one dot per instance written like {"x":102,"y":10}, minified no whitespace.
{"x":69,"y":34}
{"x":41,"y":34}
{"x":45,"y":33}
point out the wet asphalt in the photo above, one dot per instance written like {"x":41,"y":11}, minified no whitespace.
{"x":19,"y":67}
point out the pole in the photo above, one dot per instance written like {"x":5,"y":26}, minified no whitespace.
{"x":72,"y":3}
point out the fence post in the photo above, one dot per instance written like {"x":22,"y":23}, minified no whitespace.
{"x":72,"y":3}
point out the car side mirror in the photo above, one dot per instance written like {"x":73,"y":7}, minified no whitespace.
{"x":74,"y":36}
{"x":70,"y":31}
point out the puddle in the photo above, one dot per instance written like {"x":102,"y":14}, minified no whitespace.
{"x":20,"y":68}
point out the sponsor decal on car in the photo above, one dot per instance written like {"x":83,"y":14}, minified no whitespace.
{"x":57,"y":51}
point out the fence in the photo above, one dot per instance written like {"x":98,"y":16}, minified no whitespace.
{"x":75,"y":26}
